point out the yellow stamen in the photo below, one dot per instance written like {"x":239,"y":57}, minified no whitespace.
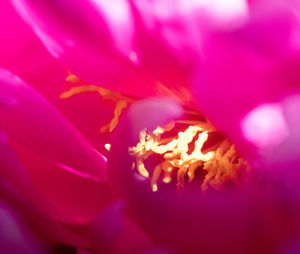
{"x":72,"y":78}
{"x":120,"y":106}
{"x":141,"y":168}
{"x":183,"y":154}
{"x":121,"y":101}
{"x":154,"y":188}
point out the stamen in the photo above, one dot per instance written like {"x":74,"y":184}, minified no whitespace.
{"x":183,"y":154}
{"x":121,"y":101}
{"x":72,"y":78}
{"x":120,"y":106}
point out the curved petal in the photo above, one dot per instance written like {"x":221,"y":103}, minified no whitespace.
{"x":18,"y":190}
{"x":22,"y":52}
{"x":238,"y":222}
{"x":243,"y":68}
{"x":153,"y":46}
{"x":80,"y":38}
{"x":169,"y":38}
{"x":76,"y":200}
{"x":48,"y":229}
{"x":14,"y":237}
{"x":284,"y":157}
{"x":113,"y":232}
{"x":34,"y":122}
{"x":65,"y":168}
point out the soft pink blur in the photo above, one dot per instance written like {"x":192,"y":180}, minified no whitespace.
{"x":235,"y":62}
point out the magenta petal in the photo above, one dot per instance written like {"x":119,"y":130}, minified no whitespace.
{"x":48,"y":229}
{"x":152,"y":251}
{"x":76,"y":200}
{"x":167,"y":42}
{"x":14,"y":237}
{"x":13,"y":172}
{"x":83,"y":251}
{"x":113,"y":232}
{"x":284,"y":158}
{"x":293,"y":248}
{"x":254,"y":64}
{"x":18,"y":190}
{"x":65,"y":168}
{"x":21,"y":191}
{"x":169,"y":37}
{"x":77,"y":33}
{"x":23,"y":53}
{"x":35,"y":123}
{"x":106,"y":229}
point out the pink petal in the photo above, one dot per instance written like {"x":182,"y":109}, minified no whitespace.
{"x":169,"y":38}
{"x":66,"y":170}
{"x":152,"y":251}
{"x":14,"y":237}
{"x":80,"y":35}
{"x":113,"y":232}
{"x":22,"y":52}
{"x":83,"y":251}
{"x":167,"y":43}
{"x":283,"y":159}
{"x":18,"y":190}
{"x":292,"y":248}
{"x":88,"y":113}
{"x":254,"y":64}
{"x":35,"y":123}
{"x":76,"y":199}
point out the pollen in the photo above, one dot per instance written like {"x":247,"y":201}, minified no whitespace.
{"x":182,"y":157}
{"x":107,"y":147}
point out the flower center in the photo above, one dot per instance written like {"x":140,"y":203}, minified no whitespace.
{"x":187,"y":150}
{"x":182,"y":151}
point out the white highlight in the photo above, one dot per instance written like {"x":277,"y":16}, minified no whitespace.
{"x":265,"y":126}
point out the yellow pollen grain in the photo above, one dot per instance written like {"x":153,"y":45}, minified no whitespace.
{"x":154,"y":188}
{"x":107,"y":147}
{"x":167,"y":179}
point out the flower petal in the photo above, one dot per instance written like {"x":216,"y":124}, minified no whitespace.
{"x":169,"y":38}
{"x":34,"y":122}
{"x":253,"y":64}
{"x":18,"y":190}
{"x":113,"y":232}
{"x":22,"y":52}
{"x":68,"y":172}
{"x":14,"y":237}
{"x":80,"y":35}
{"x":76,"y":199}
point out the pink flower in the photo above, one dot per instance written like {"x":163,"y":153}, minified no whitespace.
{"x":236,"y":63}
